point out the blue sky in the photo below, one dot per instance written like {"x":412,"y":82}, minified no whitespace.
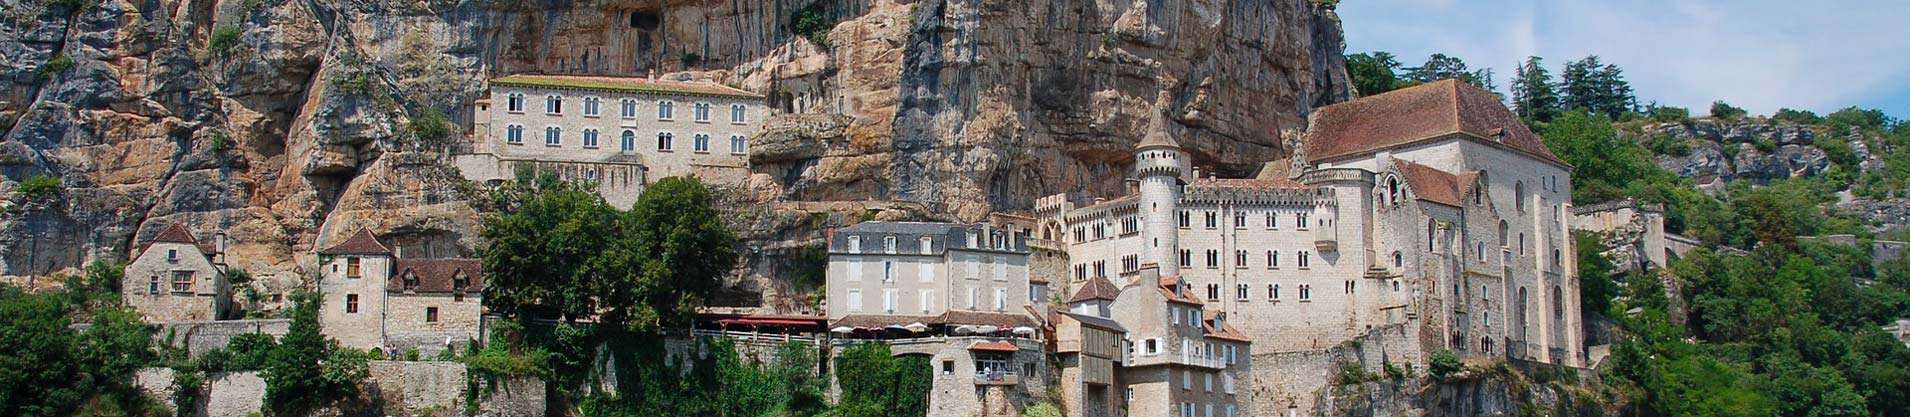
{"x":1758,"y":54}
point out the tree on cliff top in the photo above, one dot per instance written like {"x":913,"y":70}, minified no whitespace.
{"x":1534,"y":96}
{"x":559,"y":247}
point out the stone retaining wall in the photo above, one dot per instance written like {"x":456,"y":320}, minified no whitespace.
{"x":201,"y":336}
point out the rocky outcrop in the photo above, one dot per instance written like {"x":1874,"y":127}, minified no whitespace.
{"x":977,"y":106}
{"x":284,"y":122}
{"x":1758,"y":151}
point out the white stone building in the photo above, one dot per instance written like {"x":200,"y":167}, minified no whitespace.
{"x":925,"y":269}
{"x":376,"y":299}
{"x":620,"y":132}
{"x":175,"y":278}
{"x":1430,"y":208}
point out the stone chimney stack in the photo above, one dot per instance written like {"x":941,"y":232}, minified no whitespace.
{"x":1150,"y":275}
{"x":218,"y":247}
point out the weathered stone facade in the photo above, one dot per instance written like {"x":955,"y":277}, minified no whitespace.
{"x":175,"y":278}
{"x":621,"y":133}
{"x":901,"y":268}
{"x":376,"y":300}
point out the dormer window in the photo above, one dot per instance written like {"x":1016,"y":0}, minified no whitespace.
{"x":411,"y":281}
{"x":888,"y":244}
{"x":460,"y":282}
{"x":927,"y":245}
{"x":855,"y":244}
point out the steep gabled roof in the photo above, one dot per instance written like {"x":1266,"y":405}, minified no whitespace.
{"x":1413,"y":114}
{"x":361,"y":243}
{"x":437,"y":275}
{"x":1225,"y":331}
{"x":1431,"y":184}
{"x":177,"y":233}
{"x":1097,"y":288}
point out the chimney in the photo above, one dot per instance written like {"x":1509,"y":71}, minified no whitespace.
{"x":653,"y":74}
{"x":1196,"y":172}
{"x":1150,"y":275}
{"x":218,"y":247}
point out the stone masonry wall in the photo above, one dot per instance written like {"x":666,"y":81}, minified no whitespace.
{"x":419,"y":388}
{"x":201,"y":336}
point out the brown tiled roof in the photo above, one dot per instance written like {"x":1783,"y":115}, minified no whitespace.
{"x":1097,"y":288}
{"x":994,"y":346}
{"x":362,"y":243}
{"x":1437,"y":186}
{"x":177,"y":233}
{"x":629,"y":84}
{"x":1226,"y":331}
{"x":879,"y":320}
{"x":1249,"y":183}
{"x":1167,"y":290}
{"x":983,"y":318}
{"x":1414,"y":114}
{"x":437,"y":275}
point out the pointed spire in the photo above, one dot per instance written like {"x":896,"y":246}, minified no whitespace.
{"x":1157,"y":131}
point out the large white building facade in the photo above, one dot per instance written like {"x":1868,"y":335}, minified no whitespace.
{"x":926,"y":269}
{"x":621,"y":133}
{"x":1431,"y":210}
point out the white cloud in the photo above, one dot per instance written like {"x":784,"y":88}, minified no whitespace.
{"x":1760,"y":55}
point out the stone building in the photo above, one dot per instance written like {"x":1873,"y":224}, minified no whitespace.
{"x":175,"y":278}
{"x":374,"y":298}
{"x":1183,"y":359}
{"x":1089,"y":351}
{"x":1635,"y":232}
{"x":926,"y":269}
{"x":621,"y":133}
{"x":1431,"y":207}
{"x":985,"y":364}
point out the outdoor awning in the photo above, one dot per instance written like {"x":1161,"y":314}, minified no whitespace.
{"x":771,"y":322}
{"x":995,"y":346}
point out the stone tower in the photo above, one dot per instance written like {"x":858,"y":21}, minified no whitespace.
{"x":1159,"y":163}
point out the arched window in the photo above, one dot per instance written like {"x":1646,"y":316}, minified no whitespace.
{"x":1502,"y":233}
{"x":1399,"y":261}
{"x":1392,"y":190}
{"x":1518,"y":195}
{"x":1558,"y":305}
{"x":1431,"y":236}
{"x":666,"y":110}
{"x":515,"y":103}
{"x":629,"y":140}
{"x":554,"y":104}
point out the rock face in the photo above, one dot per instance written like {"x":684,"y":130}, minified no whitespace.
{"x":1750,"y":150}
{"x":285,"y":123}
{"x":977,"y":106}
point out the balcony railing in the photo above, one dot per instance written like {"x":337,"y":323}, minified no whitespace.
{"x":1204,"y":361}
{"x":997,"y":378}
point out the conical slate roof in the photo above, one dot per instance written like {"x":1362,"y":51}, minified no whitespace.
{"x":1157,"y":133}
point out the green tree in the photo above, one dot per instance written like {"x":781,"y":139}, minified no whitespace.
{"x":1603,"y":163}
{"x":1373,"y":73}
{"x":1805,"y":117}
{"x":306,"y":370}
{"x":1534,"y":95}
{"x":1593,"y":86}
{"x":1596,"y":288}
{"x":1872,"y":119}
{"x":1726,"y":111}
{"x":560,"y":246}
{"x":38,"y":367}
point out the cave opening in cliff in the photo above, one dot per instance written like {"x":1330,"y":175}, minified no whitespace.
{"x":645,"y":20}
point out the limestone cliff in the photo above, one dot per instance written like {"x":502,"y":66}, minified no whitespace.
{"x":286,"y":122}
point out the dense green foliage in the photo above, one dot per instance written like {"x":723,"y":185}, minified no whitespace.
{"x":47,"y":369}
{"x":875,"y":383}
{"x":1379,"y":72}
{"x":558,"y":246}
{"x":429,"y":127}
{"x":224,"y":39}
{"x":1593,"y":86}
{"x":306,"y":370}
{"x":1534,"y":94}
{"x":1443,"y":364}
{"x":56,"y":66}
{"x":812,"y":23}
{"x":1726,"y":111}
{"x":39,"y":186}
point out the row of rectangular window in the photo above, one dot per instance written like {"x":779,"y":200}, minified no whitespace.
{"x":666,"y":141}
{"x":891,"y":299}
{"x":1305,"y":259}
{"x":666,"y":109}
{"x":1212,"y":220}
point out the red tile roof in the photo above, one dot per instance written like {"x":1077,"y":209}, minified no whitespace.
{"x":437,"y":275}
{"x":626,"y":84}
{"x":1250,"y":183}
{"x":1226,"y":331}
{"x":1433,"y":185}
{"x":362,"y":243}
{"x":874,"y":321}
{"x":1097,"y":288}
{"x":1167,"y":290}
{"x":177,"y":233}
{"x":1424,"y":112}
